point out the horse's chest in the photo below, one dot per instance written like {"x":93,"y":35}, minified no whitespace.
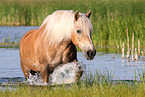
{"x":56,"y":56}
{"x":60,"y":58}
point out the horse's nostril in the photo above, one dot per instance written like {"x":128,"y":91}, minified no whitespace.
{"x":88,"y":53}
{"x":92,"y":53}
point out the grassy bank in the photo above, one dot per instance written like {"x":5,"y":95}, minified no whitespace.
{"x":110,"y":18}
{"x":9,"y":45}
{"x":6,"y":43}
{"x":99,"y":86}
{"x":117,"y":90}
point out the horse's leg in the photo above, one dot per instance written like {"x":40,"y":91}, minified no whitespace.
{"x":45,"y":71}
{"x":44,"y":75}
{"x":26,"y":71}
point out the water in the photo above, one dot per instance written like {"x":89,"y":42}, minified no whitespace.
{"x":10,"y":69}
{"x":66,"y":73}
{"x":13,"y":31}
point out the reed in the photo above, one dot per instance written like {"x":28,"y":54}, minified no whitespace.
{"x":100,"y":85}
{"x":6,"y":43}
{"x":128,"y":51}
{"x":135,"y":55}
{"x":139,"y":49}
{"x":109,"y":17}
{"x":123,"y":51}
{"x":132,"y":50}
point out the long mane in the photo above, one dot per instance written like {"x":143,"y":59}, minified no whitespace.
{"x":59,"y":26}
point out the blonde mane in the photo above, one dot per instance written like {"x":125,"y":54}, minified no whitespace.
{"x":60,"y":25}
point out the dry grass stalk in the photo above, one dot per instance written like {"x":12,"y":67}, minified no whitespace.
{"x":123,"y":51}
{"x":139,"y":49}
{"x":128,"y":51}
{"x":135,"y":55}
{"x":132,"y":46}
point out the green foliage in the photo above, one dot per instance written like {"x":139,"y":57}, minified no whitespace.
{"x":100,"y":85}
{"x":110,"y":18}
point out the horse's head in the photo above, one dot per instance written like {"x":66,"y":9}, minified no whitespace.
{"x":81,"y":35}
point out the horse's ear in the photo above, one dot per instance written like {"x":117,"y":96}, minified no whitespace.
{"x":76,"y":16}
{"x":88,"y":14}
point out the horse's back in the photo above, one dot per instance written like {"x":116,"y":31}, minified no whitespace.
{"x":27,"y":35}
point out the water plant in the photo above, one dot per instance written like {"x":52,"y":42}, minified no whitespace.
{"x":6,"y":43}
{"x":109,"y":17}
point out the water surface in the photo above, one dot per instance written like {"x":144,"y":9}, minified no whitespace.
{"x":10,"y":68}
{"x":13,"y":31}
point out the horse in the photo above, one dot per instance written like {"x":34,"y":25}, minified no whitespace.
{"x":55,"y":41}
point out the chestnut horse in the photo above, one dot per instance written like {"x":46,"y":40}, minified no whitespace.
{"x":41,"y":50}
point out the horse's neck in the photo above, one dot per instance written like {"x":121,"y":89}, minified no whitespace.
{"x":65,"y":49}
{"x":65,"y":45}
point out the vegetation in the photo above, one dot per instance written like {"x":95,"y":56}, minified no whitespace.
{"x":92,"y":86}
{"x":5,"y":42}
{"x":110,"y":18}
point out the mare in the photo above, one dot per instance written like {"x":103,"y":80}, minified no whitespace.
{"x":54,"y":43}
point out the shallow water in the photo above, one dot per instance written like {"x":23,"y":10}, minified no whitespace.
{"x":10,"y":69}
{"x":13,"y":31}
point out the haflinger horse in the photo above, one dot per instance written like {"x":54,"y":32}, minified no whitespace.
{"x":54,"y":43}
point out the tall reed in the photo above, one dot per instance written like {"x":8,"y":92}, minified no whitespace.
{"x":109,"y":17}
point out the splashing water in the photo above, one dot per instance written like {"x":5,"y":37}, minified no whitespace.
{"x":63,"y":74}
{"x":35,"y":80}
{"x":66,"y":73}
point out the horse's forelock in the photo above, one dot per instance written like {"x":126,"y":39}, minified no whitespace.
{"x":85,"y":25}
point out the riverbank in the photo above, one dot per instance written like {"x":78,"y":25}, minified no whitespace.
{"x":9,"y":45}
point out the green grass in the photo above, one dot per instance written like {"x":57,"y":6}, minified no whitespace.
{"x":109,"y":17}
{"x":117,"y":90}
{"x":92,"y":86}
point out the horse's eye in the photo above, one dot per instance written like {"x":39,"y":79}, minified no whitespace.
{"x":78,"y":31}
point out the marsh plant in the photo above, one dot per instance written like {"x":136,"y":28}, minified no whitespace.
{"x":6,"y":42}
{"x":110,"y":18}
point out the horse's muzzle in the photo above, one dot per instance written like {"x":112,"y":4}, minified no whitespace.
{"x":90,"y":54}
